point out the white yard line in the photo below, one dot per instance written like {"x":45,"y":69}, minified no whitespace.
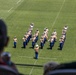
{"x":13,"y":8}
{"x":46,"y":58}
{"x":50,"y":29}
{"x":10,"y":9}
{"x":42,"y":58}
{"x":32,"y":68}
{"x":19,"y":1}
{"x":57,"y":16}
{"x":34,"y":64}
{"x":25,"y":57}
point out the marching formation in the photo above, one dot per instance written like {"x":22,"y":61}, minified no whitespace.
{"x":53,"y":39}
{"x":44,"y":38}
{"x":28,"y":36}
{"x":35,"y":38}
{"x":63,"y":37}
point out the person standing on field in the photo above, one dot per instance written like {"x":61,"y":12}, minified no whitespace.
{"x":15,"y":41}
{"x":36,"y":51}
{"x":24,"y":42}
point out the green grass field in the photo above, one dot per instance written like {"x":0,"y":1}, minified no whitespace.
{"x":53,"y":14}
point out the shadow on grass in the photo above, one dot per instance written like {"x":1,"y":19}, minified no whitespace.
{"x":29,"y":65}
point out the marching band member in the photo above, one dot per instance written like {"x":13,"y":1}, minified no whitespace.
{"x":51,"y":40}
{"x":15,"y":41}
{"x":61,"y":42}
{"x":65,"y":28}
{"x":36,"y":51}
{"x":31,"y":26}
{"x":33,"y":41}
{"x":42,"y":43}
{"x":37,"y":35}
{"x":24,"y":42}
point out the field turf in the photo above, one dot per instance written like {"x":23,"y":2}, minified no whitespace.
{"x":53,"y":14}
